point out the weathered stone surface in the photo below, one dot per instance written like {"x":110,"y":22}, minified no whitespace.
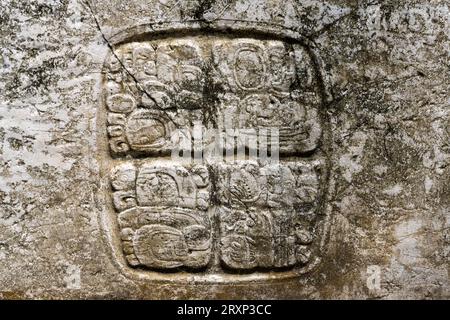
{"x":92,"y":204}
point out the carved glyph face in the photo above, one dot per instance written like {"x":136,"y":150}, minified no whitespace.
{"x":226,"y":216}
{"x":153,"y":188}
{"x":144,"y":132}
{"x":232,"y":83}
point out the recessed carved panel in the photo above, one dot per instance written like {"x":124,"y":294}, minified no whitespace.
{"x":219,"y":219}
{"x":161,"y":85}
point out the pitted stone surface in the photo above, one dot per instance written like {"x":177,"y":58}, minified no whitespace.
{"x":92,"y":205}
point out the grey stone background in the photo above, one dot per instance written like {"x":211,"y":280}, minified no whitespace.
{"x":388,"y":63}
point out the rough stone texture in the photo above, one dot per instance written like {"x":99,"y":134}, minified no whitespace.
{"x":384,"y":112}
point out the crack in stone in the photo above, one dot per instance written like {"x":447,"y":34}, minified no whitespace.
{"x":329,"y":26}
{"x":138,"y":84}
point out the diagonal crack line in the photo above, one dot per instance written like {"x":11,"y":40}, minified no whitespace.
{"x":327,"y":27}
{"x":138,"y":84}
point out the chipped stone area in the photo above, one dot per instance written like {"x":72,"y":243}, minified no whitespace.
{"x":92,"y":206}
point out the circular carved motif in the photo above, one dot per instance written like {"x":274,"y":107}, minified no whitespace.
{"x":249,"y":67}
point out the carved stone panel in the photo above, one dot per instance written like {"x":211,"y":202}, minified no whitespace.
{"x":224,"y":149}
{"x":213,"y":219}
{"x":154,"y":87}
{"x":267,"y":213}
{"x":162,"y":215}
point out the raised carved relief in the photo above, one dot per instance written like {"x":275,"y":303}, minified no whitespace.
{"x":180,"y":65}
{"x":162,"y":215}
{"x":264,"y":85}
{"x":148,"y":90}
{"x":266,"y":213}
{"x":248,"y":65}
{"x":225,"y":217}
{"x":164,"y":85}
